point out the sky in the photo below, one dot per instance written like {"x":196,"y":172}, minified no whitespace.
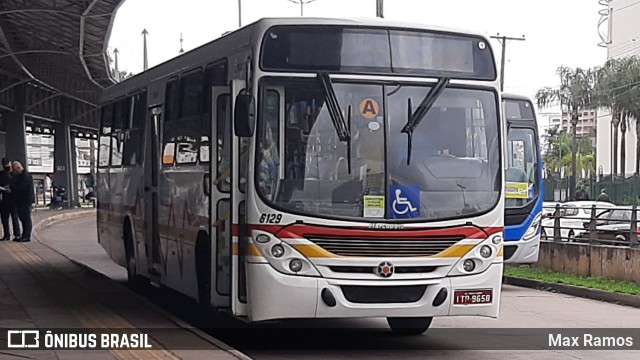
{"x":557,"y":32}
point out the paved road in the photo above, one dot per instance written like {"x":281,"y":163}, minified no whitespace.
{"x":370,"y":339}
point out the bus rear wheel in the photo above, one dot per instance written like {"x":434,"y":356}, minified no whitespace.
{"x":134,"y":280}
{"x":409,"y":325}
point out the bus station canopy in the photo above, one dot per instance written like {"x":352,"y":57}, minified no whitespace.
{"x":57,"y":48}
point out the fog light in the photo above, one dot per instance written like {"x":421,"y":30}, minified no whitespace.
{"x":262,"y":238}
{"x":469,"y":265}
{"x":496,"y":239}
{"x":485,"y":251}
{"x":295,"y":265}
{"x":277,"y":250}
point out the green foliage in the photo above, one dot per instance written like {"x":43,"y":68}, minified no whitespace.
{"x":616,"y":86}
{"x":624,"y":287}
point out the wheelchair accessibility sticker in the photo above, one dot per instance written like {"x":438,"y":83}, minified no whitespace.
{"x":404,"y":202}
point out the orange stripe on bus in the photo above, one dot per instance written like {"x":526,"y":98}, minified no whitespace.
{"x":455,"y":251}
{"x":314,"y":251}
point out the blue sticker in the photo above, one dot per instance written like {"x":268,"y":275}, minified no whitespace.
{"x":404,"y":202}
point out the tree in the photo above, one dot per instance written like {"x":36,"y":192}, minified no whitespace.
{"x":577,"y":88}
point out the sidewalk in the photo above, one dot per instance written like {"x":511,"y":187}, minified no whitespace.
{"x":41,"y":289}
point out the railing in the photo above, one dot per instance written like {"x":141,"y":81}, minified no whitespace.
{"x":594,"y":228}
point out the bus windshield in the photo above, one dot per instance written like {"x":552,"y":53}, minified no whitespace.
{"x":522,"y":154}
{"x":303,"y":167}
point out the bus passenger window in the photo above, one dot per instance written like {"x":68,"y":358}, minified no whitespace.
{"x":105,"y":135}
{"x":223,"y":128}
{"x":269,"y":152}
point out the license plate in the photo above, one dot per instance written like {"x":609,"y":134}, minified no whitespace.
{"x":471,"y":297}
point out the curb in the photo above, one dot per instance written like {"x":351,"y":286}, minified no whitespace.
{"x":52,"y":220}
{"x":593,"y":294}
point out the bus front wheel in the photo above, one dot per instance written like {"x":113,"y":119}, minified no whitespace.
{"x":409,"y":325}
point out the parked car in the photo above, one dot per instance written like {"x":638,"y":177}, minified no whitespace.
{"x":548,"y":208}
{"x":573,"y":214}
{"x":612,"y":225}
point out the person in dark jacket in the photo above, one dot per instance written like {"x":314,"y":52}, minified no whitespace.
{"x":24,"y":197}
{"x":7,"y":204}
{"x":603,"y":196}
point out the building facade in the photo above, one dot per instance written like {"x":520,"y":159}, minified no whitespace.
{"x":622,"y":40}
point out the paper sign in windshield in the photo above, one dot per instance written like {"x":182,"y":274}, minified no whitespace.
{"x":373,"y":206}
{"x":517,"y":190}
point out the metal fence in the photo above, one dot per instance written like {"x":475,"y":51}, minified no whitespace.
{"x":592,"y":225}
{"x":621,"y":191}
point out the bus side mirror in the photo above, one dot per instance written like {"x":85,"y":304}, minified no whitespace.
{"x":244,"y":115}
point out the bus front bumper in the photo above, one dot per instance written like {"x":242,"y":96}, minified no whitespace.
{"x":273,"y":295}
{"x":521,"y":251}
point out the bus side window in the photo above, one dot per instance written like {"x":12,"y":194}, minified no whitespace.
{"x":215,"y":74}
{"x":121,"y":114}
{"x":223,"y":143}
{"x":171,"y":113}
{"x":105,"y":135}
{"x":187,"y":129}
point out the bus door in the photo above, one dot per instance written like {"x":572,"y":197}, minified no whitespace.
{"x":151,"y":198}
{"x":221,"y":176}
{"x":240,"y":156}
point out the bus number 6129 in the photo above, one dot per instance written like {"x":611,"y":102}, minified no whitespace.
{"x":270,"y":218}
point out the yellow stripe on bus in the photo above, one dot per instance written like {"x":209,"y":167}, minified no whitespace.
{"x":501,"y":252}
{"x":252,"y":249}
{"x":455,"y":251}
{"x":314,"y":251}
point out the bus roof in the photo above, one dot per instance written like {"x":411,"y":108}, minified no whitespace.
{"x":374,"y":22}
{"x":245,"y":35}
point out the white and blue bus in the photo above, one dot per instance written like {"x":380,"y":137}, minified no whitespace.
{"x":524,"y":193}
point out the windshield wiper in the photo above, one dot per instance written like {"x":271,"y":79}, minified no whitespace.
{"x":343,"y":129}
{"x":414,"y":118}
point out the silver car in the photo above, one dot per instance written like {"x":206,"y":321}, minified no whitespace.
{"x":573,"y":214}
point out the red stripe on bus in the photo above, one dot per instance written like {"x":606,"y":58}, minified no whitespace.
{"x":298,"y":231}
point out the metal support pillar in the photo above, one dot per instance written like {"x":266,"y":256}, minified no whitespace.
{"x":64,"y":158}
{"x":16,"y":136}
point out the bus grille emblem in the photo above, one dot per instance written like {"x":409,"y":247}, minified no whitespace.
{"x":385,"y":269}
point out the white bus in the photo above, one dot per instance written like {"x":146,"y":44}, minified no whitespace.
{"x":312,"y":168}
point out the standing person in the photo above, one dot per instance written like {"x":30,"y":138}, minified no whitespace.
{"x":603,"y":196}
{"x":581,"y":194}
{"x":7,"y":204}
{"x":47,"y":186}
{"x":22,"y":190}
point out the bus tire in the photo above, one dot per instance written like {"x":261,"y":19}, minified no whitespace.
{"x":409,"y":325}
{"x":134,"y":280}
{"x":203,"y":268}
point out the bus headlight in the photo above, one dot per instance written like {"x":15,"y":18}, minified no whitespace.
{"x":469,"y":265}
{"x":479,"y":258}
{"x":283,"y":257}
{"x":263,"y":239}
{"x":277,"y":251}
{"x":295,"y":265}
{"x":534,"y":228}
{"x":485,"y":251}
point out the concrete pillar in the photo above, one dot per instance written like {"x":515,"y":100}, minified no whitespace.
{"x":16,"y":136}
{"x":64,"y":157}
